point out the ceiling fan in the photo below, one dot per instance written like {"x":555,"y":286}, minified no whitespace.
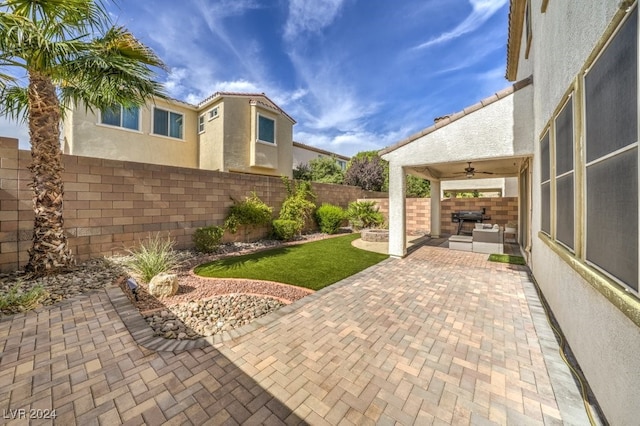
{"x":470,"y":172}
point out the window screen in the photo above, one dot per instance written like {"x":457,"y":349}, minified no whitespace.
{"x":564,"y":139}
{"x":160,"y":122}
{"x":564,"y":210}
{"x":545,"y":206}
{"x":611,"y":106}
{"x":266,"y":129}
{"x":612,"y":216}
{"x":564,"y":175}
{"x":545,"y":164}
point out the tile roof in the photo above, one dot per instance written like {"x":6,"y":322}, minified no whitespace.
{"x":321,"y":151}
{"x":448,"y":119}
{"x":251,"y":97}
{"x":514,"y":39}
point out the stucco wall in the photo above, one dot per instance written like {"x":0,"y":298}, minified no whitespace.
{"x":110,"y":205}
{"x":242,"y":152}
{"x":605,"y":342}
{"x":487,"y":133}
{"x":211,"y":149}
{"x":84,"y":136}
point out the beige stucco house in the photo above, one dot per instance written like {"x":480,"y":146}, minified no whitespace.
{"x":230,"y":132}
{"x":302,"y":154}
{"x":567,"y":129}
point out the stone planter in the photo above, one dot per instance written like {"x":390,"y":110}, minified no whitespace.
{"x":375,"y":235}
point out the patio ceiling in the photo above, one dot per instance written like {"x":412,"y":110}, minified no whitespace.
{"x":483,"y":168}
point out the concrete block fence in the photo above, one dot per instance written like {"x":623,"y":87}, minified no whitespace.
{"x":502,"y":210}
{"x":111,"y":205}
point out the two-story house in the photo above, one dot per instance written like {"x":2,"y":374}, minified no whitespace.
{"x":230,"y":132}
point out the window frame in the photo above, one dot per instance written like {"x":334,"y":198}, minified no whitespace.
{"x":556,"y":174}
{"x":546,"y":135}
{"x":213,"y":113}
{"x":615,"y":154}
{"x":121,"y":126}
{"x":169,"y":112}
{"x":260,"y":115}
{"x":201,"y":124}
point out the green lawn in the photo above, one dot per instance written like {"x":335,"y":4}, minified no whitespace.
{"x":312,"y":265}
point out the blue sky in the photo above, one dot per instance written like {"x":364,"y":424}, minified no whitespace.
{"x":355,"y":74}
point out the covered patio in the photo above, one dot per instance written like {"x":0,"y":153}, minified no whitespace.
{"x":484,"y":140}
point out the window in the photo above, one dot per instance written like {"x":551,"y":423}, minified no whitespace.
{"x":565,"y":175}
{"x":266,"y":129}
{"x":213,"y":113}
{"x":545,"y":190}
{"x":611,"y":147}
{"x":117,"y":115}
{"x":201,"y":123}
{"x":167,"y":123}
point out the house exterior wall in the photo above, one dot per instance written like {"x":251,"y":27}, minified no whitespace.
{"x":302,"y":155}
{"x":84,"y":135}
{"x":605,"y":341}
{"x":228,"y":142}
{"x":211,"y":148}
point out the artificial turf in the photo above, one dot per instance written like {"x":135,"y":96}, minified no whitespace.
{"x":505,"y":258}
{"x":312,"y":265}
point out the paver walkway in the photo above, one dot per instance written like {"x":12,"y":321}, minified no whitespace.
{"x":440,"y":337}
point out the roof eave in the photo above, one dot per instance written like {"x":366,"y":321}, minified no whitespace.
{"x":516,"y":23}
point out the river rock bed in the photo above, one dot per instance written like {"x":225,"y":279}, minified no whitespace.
{"x":200,"y":318}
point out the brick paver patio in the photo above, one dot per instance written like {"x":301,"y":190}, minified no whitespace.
{"x":440,"y":337}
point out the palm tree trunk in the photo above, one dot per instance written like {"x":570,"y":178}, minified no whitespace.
{"x":49,"y":252}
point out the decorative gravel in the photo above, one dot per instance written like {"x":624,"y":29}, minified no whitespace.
{"x":194,"y":319}
{"x":202,"y":306}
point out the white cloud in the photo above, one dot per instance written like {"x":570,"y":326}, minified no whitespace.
{"x":350,"y":143}
{"x":310,"y":16}
{"x":482,"y":10}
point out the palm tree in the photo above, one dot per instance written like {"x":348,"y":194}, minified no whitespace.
{"x":55,"y":54}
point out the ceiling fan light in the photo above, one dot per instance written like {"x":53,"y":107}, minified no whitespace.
{"x":469,"y":175}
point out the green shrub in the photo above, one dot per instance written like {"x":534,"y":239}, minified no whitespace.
{"x":20,"y":301}
{"x":208,"y":239}
{"x":250,"y":212}
{"x":364,"y":214}
{"x":285,"y":229}
{"x":153,"y":256}
{"x":330,"y":218}
{"x":299,"y":205}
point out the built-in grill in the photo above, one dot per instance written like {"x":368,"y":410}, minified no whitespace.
{"x":471,"y":216}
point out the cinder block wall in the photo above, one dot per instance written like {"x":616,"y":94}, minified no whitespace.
{"x":111,"y":205}
{"x":418,"y":211}
{"x":502,"y":210}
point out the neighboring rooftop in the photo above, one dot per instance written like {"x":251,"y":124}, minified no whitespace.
{"x":321,"y":151}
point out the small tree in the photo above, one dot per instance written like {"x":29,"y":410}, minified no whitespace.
{"x":417,"y":187}
{"x":326,"y":170}
{"x":367,"y":171}
{"x":296,"y":209}
{"x":302,"y":172}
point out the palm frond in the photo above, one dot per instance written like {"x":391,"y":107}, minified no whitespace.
{"x":15,"y":102}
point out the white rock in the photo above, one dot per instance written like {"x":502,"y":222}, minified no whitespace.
{"x":163,"y":285}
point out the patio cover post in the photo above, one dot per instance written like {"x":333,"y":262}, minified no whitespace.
{"x":397,"y":221}
{"x":435,"y":208}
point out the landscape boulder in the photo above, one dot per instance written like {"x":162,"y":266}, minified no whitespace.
{"x":163,"y":285}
